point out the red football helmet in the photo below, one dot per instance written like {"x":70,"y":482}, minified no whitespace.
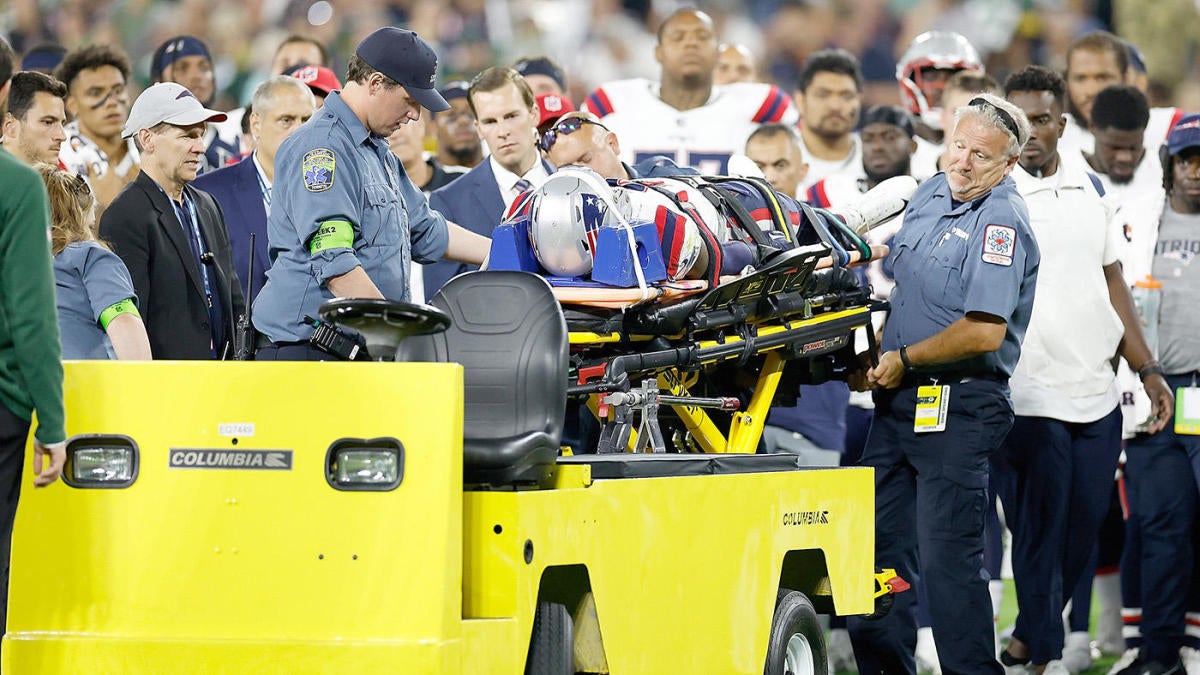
{"x":941,"y":50}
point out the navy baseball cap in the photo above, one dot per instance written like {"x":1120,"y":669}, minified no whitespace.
{"x":1136,"y":59}
{"x":404,"y":57}
{"x":540,"y":65}
{"x":44,"y":58}
{"x":1185,"y":134}
{"x":174,"y":49}
{"x":890,"y":114}
{"x":455,"y":89}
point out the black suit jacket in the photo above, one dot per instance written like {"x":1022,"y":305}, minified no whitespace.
{"x":143,"y":230}
{"x":239,"y":195}
{"x":473,"y":201}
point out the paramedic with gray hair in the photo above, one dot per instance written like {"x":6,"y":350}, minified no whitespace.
{"x":965,"y":266}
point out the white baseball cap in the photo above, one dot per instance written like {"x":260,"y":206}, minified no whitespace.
{"x":171,"y":103}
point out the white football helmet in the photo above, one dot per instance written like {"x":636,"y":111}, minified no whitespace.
{"x":943,"y":50}
{"x":565,"y":215}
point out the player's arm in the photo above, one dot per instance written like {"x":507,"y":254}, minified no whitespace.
{"x":1136,"y":351}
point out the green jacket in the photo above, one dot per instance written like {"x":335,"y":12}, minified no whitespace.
{"x":31,"y":374}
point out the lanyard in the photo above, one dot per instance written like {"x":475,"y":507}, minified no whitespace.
{"x":188,"y":213}
{"x":264,"y":188}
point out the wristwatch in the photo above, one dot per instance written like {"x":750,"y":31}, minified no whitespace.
{"x":1151,"y":367}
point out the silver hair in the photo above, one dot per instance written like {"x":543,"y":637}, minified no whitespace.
{"x":265,"y":93}
{"x":991,"y":115}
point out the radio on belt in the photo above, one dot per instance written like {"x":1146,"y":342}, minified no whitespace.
{"x":330,"y":340}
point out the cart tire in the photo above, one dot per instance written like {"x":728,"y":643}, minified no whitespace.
{"x":797,"y":644}
{"x":552,"y":644}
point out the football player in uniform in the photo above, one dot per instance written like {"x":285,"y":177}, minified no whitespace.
{"x":923,"y":72}
{"x":735,"y":63}
{"x":829,"y":97}
{"x":685,"y":116}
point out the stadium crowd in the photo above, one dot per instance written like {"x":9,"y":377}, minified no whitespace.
{"x":182,"y":145}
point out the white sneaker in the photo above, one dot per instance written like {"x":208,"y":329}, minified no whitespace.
{"x":926,"y":652}
{"x":840,"y":652}
{"x":1191,"y":660}
{"x":1056,"y":667}
{"x":1077,"y":652}
{"x":1124,"y":662}
{"x":877,"y":205}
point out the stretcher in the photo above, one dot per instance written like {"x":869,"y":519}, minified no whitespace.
{"x":709,"y":357}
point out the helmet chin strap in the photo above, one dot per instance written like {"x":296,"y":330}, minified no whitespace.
{"x":602,"y":190}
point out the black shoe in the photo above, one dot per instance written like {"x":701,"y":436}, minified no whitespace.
{"x":1139,"y":667}
{"x":1010,"y":661}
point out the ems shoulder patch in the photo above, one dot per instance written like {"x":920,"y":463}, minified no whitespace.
{"x":318,"y":166}
{"x":999,"y":243}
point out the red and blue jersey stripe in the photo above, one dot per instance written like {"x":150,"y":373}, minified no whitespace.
{"x":773,"y":107}
{"x":598,"y":104}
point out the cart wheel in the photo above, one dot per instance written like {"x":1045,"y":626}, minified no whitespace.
{"x":797,"y":644}
{"x":552,"y":645}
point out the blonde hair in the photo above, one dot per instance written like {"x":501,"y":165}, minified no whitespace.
{"x":71,"y":202}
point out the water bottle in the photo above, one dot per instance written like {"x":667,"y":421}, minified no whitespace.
{"x":1147,"y":297}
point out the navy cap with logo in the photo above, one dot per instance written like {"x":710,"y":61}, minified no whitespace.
{"x":174,"y":49}
{"x":1185,"y":134}
{"x":404,"y":57}
{"x":455,"y":89}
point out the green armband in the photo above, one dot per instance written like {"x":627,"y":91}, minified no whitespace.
{"x":126,"y":306}
{"x":332,"y":234}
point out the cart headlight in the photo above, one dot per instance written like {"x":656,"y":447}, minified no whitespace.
{"x":356,"y":464}
{"x":101,"y":462}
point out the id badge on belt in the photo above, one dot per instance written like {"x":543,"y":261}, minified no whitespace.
{"x":1187,"y":410}
{"x":933,"y":400}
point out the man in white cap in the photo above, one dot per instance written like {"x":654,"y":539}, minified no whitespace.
{"x":172,"y":236}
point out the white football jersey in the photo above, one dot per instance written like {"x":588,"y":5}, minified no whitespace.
{"x":80,"y":154}
{"x":850,"y":166}
{"x":703,"y":138}
{"x":925,"y":159}
{"x":1077,"y":138}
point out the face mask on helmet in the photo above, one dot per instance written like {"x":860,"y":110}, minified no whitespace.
{"x":565,"y":215}
{"x":937,"y":50}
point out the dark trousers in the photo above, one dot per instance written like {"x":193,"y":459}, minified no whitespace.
{"x":1055,"y":478}
{"x":930,"y":496}
{"x":1162,"y":473}
{"x":14,"y":432}
{"x":291,"y":351}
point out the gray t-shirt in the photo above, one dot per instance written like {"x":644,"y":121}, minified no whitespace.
{"x":88,"y":279}
{"x":1177,"y":266}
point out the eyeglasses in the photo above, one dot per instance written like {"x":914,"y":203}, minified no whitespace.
{"x":564,"y":127}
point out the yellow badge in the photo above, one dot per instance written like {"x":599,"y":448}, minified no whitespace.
{"x":932,"y":402}
{"x":1187,"y":411}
